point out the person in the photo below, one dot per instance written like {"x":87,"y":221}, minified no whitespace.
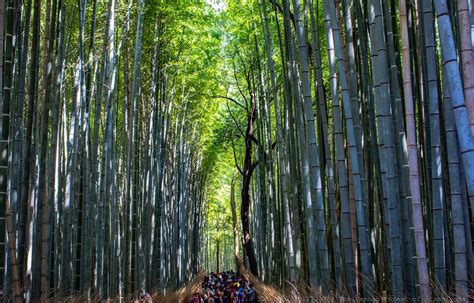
{"x":240,"y":295}
{"x":252,"y":295}
{"x":233,"y":297}
{"x":196,"y":298}
{"x":144,"y":298}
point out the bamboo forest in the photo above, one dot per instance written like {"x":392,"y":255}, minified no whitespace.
{"x":310,"y":150}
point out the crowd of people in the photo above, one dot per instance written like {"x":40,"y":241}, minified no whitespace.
{"x":225,"y":287}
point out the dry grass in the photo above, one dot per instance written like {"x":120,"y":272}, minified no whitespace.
{"x":266,"y":293}
{"x":184,"y":294}
{"x":290,"y":293}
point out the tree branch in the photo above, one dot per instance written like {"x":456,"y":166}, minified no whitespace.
{"x":255,"y":140}
{"x":273,"y":145}
{"x":280,"y":9}
{"x":232,"y":100}
{"x":237,"y":82}
{"x":235,"y":121}
{"x":235,"y":159}
{"x":254,"y":165}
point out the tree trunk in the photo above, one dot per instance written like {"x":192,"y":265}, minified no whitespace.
{"x":247,"y":171}
{"x":238,"y":262}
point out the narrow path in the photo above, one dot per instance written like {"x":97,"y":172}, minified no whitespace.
{"x":238,"y":287}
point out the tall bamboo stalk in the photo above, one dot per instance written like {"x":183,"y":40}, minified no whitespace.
{"x":465,"y":136}
{"x":417,"y":209}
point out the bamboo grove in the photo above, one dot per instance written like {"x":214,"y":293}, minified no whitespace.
{"x":102,"y":126}
{"x":325,"y":143}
